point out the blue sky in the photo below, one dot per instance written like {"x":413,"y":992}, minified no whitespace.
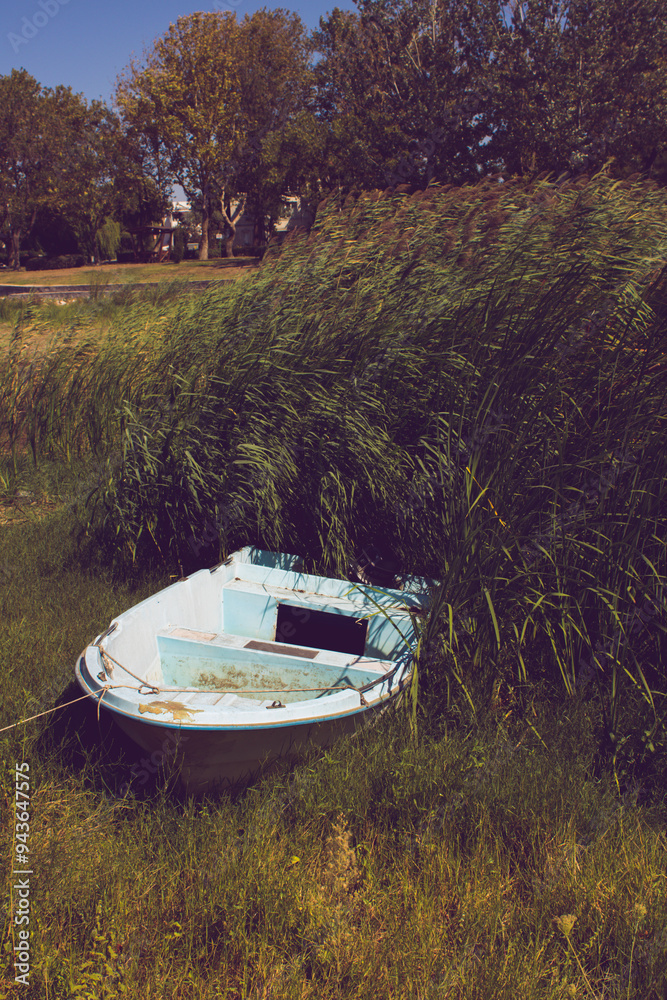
{"x":85,"y":44}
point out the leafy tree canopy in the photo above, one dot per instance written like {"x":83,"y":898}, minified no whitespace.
{"x":59,"y":156}
{"x":28,"y":156}
{"x":446,"y":90}
{"x":184,"y":99}
{"x":207,"y":95}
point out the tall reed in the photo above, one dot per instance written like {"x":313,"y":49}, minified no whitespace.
{"x":473,"y":379}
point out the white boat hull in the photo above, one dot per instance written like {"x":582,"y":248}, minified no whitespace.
{"x":211,"y":760}
{"x":232,"y":669}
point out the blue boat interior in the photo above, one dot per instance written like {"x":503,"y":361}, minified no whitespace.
{"x":259,"y":674}
{"x":286,"y":636}
{"x":282,"y":613}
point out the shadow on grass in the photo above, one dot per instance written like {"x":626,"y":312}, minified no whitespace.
{"x":91,"y":746}
{"x":88,"y":744}
{"x":226,"y":262}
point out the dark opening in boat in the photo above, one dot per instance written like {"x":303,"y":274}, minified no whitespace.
{"x":321,"y":630}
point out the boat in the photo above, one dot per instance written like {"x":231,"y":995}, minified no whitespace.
{"x":239,"y":666}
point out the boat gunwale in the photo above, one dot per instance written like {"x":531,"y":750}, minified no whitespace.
{"x":243,"y":723}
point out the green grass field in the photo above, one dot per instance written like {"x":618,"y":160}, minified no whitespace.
{"x":191,"y":270}
{"x":473,"y":380}
{"x":452,"y":864}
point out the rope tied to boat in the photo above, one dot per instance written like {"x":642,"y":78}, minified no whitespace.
{"x":154,"y":689}
{"x":146,"y":689}
{"x":56,"y":708}
{"x":106,"y":688}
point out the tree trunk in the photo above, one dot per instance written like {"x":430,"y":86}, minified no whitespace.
{"x":15,"y":249}
{"x":259,"y":229}
{"x":228,"y":241}
{"x":230,"y":219}
{"x":205,"y":218}
{"x":16,"y":235}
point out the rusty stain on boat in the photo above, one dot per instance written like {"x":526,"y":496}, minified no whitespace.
{"x":179,"y":711}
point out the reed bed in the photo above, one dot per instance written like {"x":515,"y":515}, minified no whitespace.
{"x":473,"y":379}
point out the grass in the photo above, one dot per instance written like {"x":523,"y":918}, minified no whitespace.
{"x":478,"y":378}
{"x":477,"y":375}
{"x":450,"y":865}
{"x":474,"y":381}
{"x":191,"y":270}
{"x":43,"y":324}
{"x":34,"y":329}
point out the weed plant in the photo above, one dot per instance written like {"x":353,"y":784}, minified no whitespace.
{"x":483,"y":860}
{"x":473,"y":377}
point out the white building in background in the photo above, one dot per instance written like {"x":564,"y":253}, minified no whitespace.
{"x":295,"y":215}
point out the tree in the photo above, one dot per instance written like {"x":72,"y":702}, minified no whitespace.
{"x":617,"y":55}
{"x":52,"y":234}
{"x":361,"y":131}
{"x":400,"y":85}
{"x":86,"y":189}
{"x":207,"y":99}
{"x":275,"y":81}
{"x":27,"y":158}
{"x":446,"y":90}
{"x":186,"y":100}
{"x":577,"y":83}
{"x":59,"y":157}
